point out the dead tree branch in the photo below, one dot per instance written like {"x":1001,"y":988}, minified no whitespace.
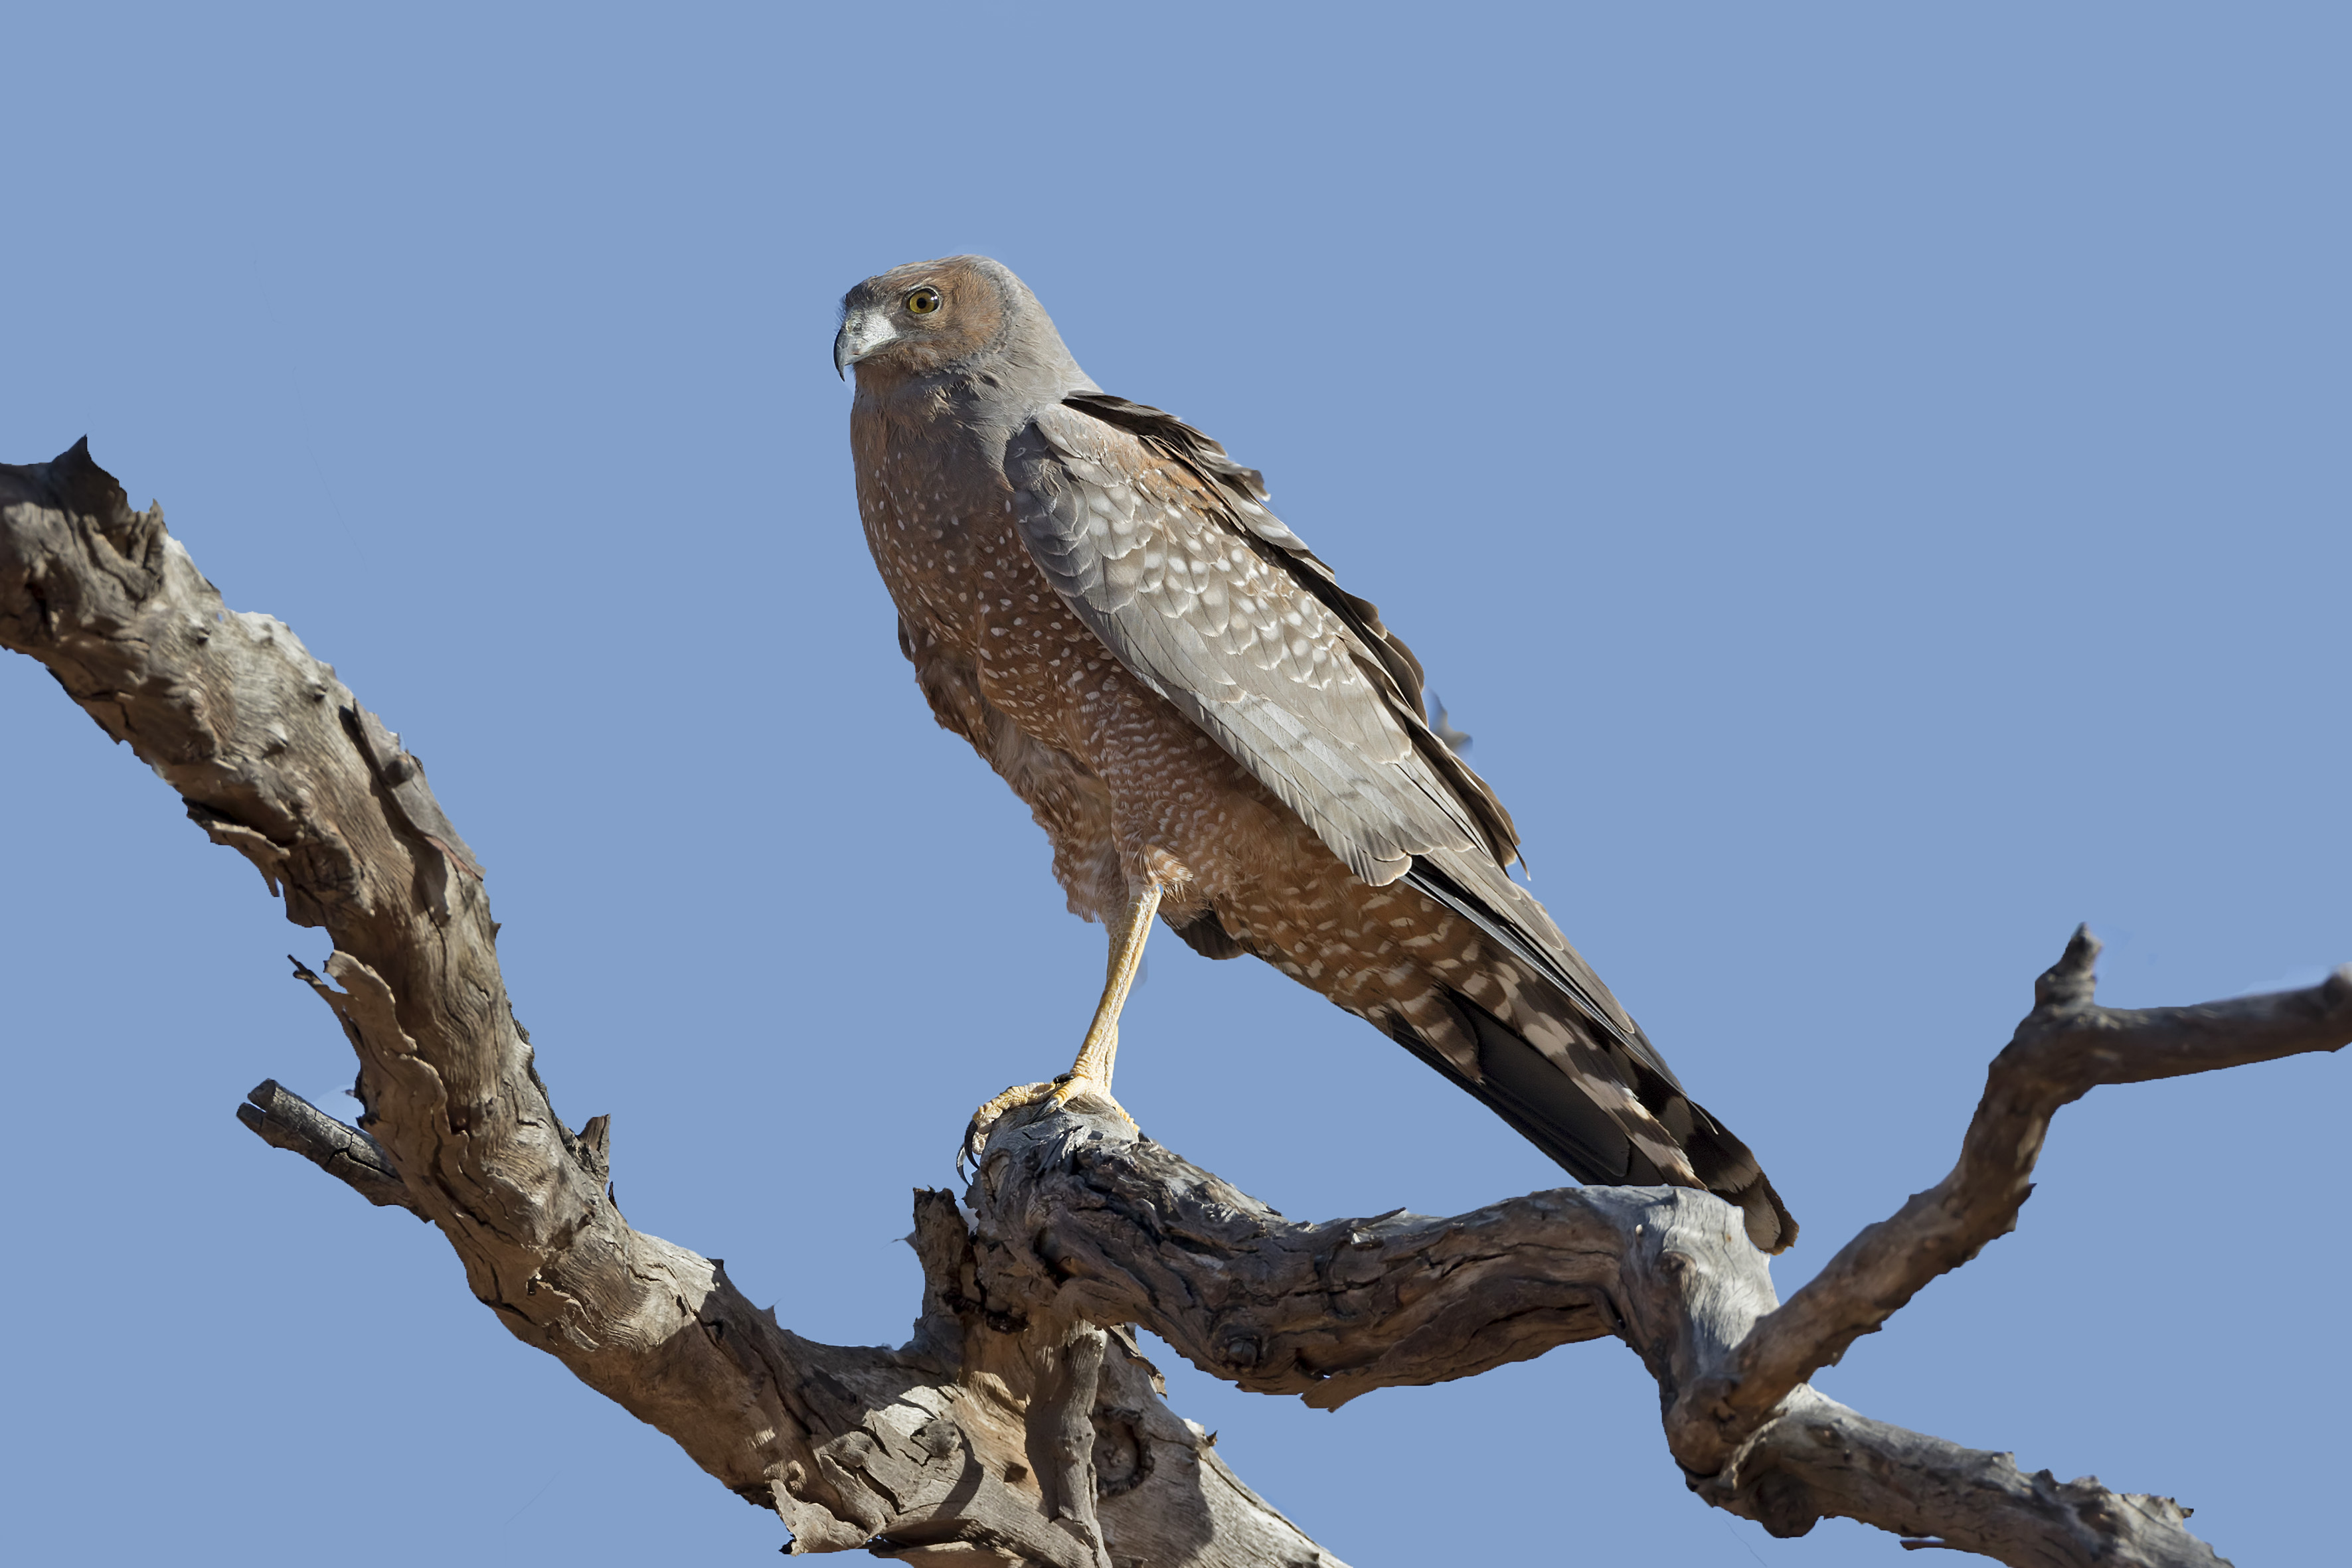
{"x":1003,"y":1439}
{"x":2067,"y":1045}
{"x":1013,"y":1427}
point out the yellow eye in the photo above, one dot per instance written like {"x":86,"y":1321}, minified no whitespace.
{"x":922,"y":301}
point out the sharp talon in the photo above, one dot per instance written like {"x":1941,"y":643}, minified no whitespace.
{"x":1055,"y":1095}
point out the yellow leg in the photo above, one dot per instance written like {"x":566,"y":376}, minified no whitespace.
{"x":1099,"y":1051}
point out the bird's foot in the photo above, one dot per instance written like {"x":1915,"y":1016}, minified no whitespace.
{"x":1053,"y":1095}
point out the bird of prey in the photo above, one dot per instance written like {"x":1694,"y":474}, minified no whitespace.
{"x":1212,"y":731}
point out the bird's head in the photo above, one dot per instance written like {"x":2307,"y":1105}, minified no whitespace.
{"x":961,"y":314}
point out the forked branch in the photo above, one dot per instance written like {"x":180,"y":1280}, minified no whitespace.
{"x":1011,"y":1428}
{"x":2066,"y":1047}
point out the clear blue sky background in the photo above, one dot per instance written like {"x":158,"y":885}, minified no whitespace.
{"x":1871,"y":479}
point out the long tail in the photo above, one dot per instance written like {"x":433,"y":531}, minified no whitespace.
{"x":1550,"y":1052}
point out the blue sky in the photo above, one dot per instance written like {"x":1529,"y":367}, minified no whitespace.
{"x":1870,"y":479}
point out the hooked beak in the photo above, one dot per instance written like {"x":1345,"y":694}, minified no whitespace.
{"x":861,"y":334}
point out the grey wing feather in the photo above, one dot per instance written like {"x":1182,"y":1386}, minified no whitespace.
{"x":1241,"y":496}
{"x":1164,"y":564}
{"x":1165,"y":549}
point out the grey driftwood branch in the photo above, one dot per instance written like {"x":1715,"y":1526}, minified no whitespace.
{"x":1019,"y":1424}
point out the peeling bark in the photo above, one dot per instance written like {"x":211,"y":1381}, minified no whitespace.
{"x":1019,"y":1424}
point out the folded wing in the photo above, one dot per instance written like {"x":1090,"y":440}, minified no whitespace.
{"x":1165,"y":549}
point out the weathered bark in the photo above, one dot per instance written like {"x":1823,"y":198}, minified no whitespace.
{"x":1015,"y":1426}
{"x":991,"y":1435}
